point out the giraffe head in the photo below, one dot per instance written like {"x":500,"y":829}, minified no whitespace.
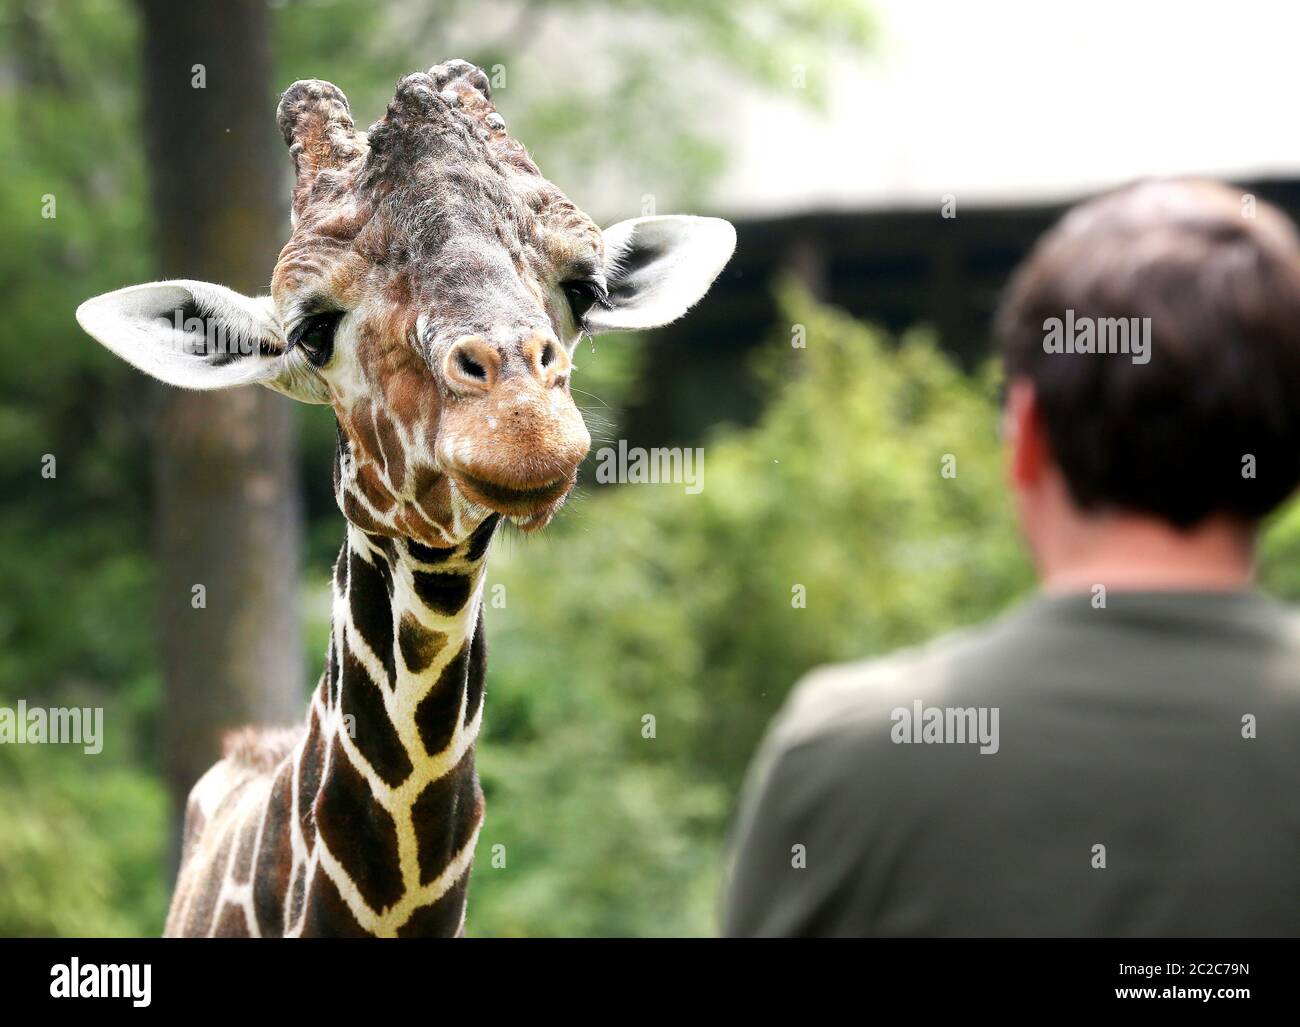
{"x":432,"y":292}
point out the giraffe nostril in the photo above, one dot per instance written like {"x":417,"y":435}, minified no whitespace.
{"x":470,"y":367}
{"x":548,"y":355}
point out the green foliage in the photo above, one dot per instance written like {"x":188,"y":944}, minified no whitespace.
{"x":81,"y":839}
{"x":1279,"y":553}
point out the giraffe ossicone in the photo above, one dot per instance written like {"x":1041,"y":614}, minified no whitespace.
{"x":432,"y":292}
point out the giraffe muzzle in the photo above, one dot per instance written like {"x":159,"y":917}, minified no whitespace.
{"x":510,"y":501}
{"x":515,"y":448}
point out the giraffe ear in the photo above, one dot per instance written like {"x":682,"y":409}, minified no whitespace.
{"x":195,"y":335}
{"x":657,"y":268}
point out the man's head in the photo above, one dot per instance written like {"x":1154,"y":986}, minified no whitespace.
{"x":432,"y":292}
{"x":1151,"y":345}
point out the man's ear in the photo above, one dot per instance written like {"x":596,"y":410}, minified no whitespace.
{"x":1025,"y":435}
{"x":657,"y":268}
{"x":195,"y":335}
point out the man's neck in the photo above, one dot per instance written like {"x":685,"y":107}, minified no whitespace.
{"x":1132,"y":553}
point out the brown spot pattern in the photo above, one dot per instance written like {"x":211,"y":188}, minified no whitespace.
{"x":437,"y":714}
{"x":419,"y":645}
{"x":359,"y":832}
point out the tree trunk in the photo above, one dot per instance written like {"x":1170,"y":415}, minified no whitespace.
{"x":225,"y":468}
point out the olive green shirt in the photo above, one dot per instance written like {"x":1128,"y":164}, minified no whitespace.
{"x":1143,"y":780}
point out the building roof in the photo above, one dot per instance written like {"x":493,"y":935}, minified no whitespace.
{"x":1020,"y":101}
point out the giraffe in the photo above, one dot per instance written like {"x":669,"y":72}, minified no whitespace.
{"x":432,"y":292}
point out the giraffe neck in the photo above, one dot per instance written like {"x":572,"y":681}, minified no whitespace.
{"x":387,"y":801}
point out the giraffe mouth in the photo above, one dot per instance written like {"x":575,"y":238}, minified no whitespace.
{"x":530,"y":506}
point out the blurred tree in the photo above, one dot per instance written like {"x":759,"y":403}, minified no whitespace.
{"x":225,"y":463}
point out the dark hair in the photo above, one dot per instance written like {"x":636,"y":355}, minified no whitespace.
{"x":1218,"y":274}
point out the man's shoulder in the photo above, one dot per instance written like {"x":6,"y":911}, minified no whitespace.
{"x":855,"y":699}
{"x":985,"y":664}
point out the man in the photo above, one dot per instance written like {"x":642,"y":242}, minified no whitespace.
{"x":1121,"y":755}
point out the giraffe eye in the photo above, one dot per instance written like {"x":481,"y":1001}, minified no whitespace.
{"x":583,"y":294}
{"x":315,"y":334}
